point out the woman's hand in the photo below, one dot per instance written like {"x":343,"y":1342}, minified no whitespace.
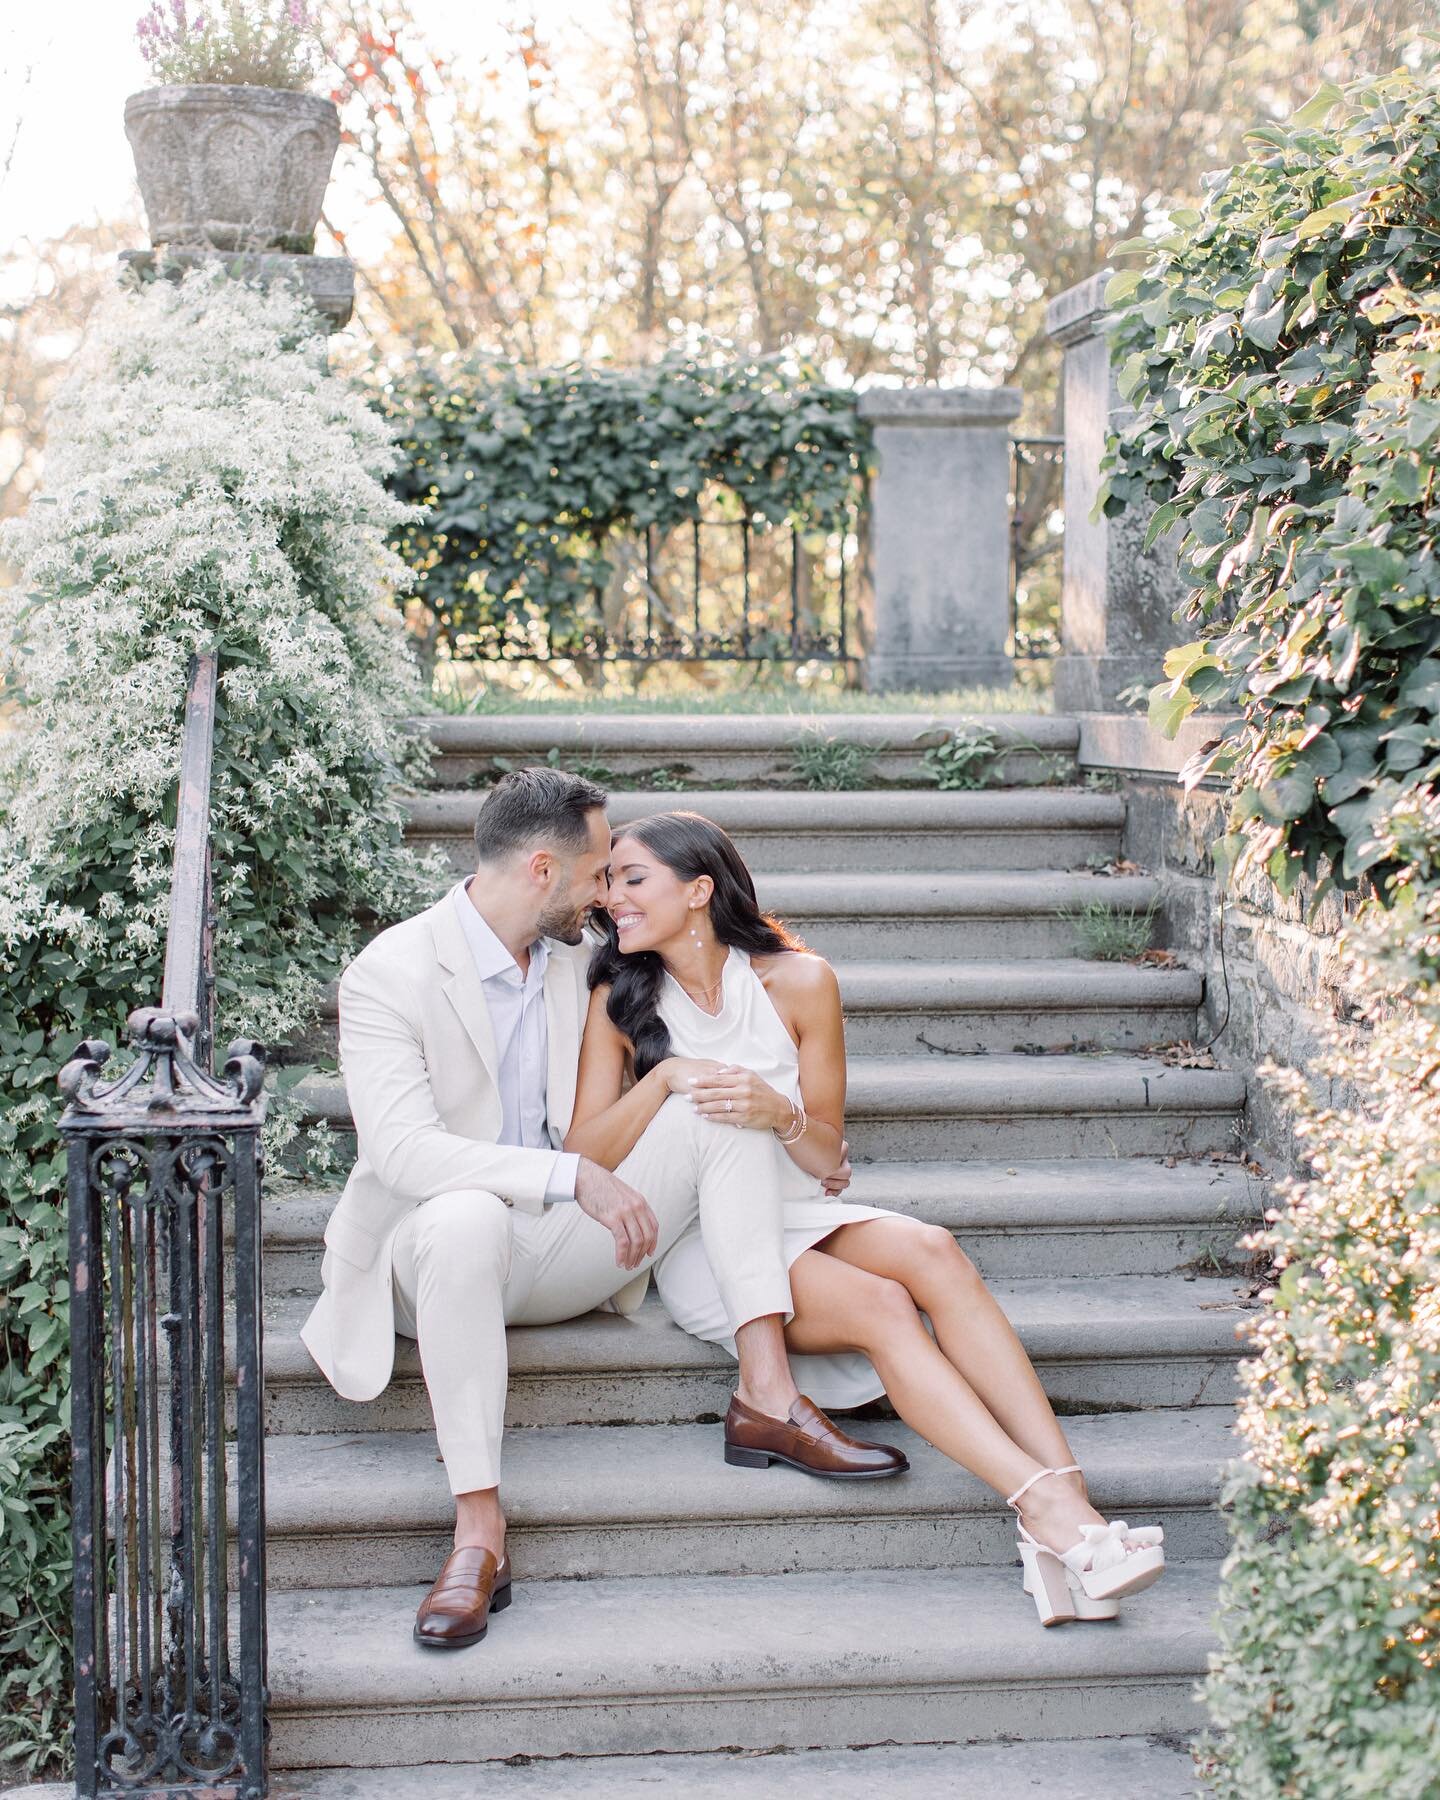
{"x":680,"y":1072}
{"x":731,"y":1095}
{"x":836,"y":1182}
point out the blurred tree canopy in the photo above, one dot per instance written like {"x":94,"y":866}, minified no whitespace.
{"x":47,"y":293}
{"x":890,"y":188}
{"x":881,"y":188}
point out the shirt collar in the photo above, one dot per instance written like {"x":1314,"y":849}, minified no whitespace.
{"x":491,"y":956}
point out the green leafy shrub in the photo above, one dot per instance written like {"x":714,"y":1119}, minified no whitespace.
{"x":966,"y":759}
{"x":1282,"y":349}
{"x":530,"y":480}
{"x":971,"y":757}
{"x":209,"y":483}
{"x":1327,"y":1686}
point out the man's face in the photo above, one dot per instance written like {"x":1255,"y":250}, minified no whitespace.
{"x":580,"y":886}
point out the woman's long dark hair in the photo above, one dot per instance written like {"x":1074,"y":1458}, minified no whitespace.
{"x":691,"y":845}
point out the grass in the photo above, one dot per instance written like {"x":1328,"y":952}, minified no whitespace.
{"x":1109,"y":936}
{"x":788,"y":701}
{"x":829,"y":763}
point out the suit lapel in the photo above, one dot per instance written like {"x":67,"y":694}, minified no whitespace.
{"x":562,"y":1030}
{"x":464,"y":988}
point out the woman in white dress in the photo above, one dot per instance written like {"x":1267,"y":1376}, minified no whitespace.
{"x":697,"y":992}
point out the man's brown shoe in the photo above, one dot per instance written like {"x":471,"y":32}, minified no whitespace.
{"x":806,"y":1440}
{"x":467,"y":1590}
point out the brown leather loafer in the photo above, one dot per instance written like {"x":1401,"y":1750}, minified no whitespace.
{"x":467,"y":1590}
{"x":806,"y":1440}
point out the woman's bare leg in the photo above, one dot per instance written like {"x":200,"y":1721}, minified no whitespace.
{"x":969,"y":1325}
{"x":841,"y":1306}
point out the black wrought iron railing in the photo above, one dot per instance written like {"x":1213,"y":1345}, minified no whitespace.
{"x":1037,"y":529}
{"x":170,"y":1663}
{"x":712,"y":590}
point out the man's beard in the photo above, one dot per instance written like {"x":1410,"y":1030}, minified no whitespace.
{"x":564,"y":924}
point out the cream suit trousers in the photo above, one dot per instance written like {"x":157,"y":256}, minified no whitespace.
{"x":465,"y":1266}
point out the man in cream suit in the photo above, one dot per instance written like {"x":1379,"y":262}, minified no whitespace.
{"x":459,"y":1043}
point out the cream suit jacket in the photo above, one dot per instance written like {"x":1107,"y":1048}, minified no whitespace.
{"x":417,"y":1052}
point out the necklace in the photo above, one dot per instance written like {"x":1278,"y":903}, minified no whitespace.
{"x":712,"y":996}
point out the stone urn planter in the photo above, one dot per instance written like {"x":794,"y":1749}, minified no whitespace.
{"x":232,"y":168}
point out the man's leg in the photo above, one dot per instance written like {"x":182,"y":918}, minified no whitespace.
{"x":451,"y":1261}
{"x":742,"y":1224}
{"x":741,"y":1177}
{"x":685,"y":1166}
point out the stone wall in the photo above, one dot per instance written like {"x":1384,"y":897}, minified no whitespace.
{"x":1272,"y":979}
{"x":1272,"y":982}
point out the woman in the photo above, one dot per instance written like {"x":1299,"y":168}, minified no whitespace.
{"x":697,"y":991}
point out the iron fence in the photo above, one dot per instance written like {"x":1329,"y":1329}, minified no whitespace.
{"x":170,"y":1678}
{"x":712,"y":590}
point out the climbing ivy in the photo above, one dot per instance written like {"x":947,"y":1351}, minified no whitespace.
{"x":527,"y":477}
{"x":1281,"y":348}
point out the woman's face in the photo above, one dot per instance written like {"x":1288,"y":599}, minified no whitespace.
{"x":649,"y":903}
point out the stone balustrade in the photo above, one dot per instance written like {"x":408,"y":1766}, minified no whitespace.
{"x":1117,"y":598}
{"x":940,"y":536}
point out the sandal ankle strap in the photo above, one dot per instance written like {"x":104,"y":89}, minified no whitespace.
{"x":1039,"y":1475}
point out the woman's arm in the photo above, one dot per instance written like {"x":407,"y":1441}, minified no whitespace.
{"x":806,"y":995}
{"x":607,"y":1123}
{"x":815,"y":1017}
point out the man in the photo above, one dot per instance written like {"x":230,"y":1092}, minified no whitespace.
{"x":459,"y":1042}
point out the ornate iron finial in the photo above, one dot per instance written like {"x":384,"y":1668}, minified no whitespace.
{"x":164,"y":1077}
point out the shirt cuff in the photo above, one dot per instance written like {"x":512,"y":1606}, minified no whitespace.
{"x":561,"y":1185}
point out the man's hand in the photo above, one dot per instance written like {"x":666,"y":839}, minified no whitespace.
{"x":624,"y":1213}
{"x":838,"y":1180}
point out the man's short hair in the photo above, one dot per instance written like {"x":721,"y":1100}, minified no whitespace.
{"x":527,"y":807}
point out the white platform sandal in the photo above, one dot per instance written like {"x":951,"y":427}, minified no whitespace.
{"x":1089,"y":1580}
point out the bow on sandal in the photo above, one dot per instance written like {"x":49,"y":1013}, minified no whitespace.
{"x":1088,"y":1580}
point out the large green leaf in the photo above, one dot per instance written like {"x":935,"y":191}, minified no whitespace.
{"x":1169,"y":708}
{"x":1297,"y":364}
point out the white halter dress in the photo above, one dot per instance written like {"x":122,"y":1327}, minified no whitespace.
{"x":747,"y":1030}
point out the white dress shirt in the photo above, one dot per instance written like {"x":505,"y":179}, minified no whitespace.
{"x":516,"y":1004}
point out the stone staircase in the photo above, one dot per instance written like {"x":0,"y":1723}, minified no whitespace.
{"x":672,"y":1609}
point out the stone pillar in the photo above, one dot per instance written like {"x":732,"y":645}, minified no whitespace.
{"x":1117,"y":599}
{"x":329,"y":281}
{"x":940,"y":536}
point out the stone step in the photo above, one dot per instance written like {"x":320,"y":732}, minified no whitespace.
{"x":1119,"y":1343}
{"x":951,"y":917}
{"x":731,"y":747}
{"x":897,"y":1008}
{"x":1041,"y":828}
{"x":1069,"y":1218}
{"x":705,"y":1663}
{"x":950,"y":1108}
{"x":1117,"y":1768}
{"x":373,"y":1509}
{"x":938,"y":916}
{"x":961,"y":1008}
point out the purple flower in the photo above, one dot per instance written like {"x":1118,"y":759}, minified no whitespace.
{"x":297,"y":14}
